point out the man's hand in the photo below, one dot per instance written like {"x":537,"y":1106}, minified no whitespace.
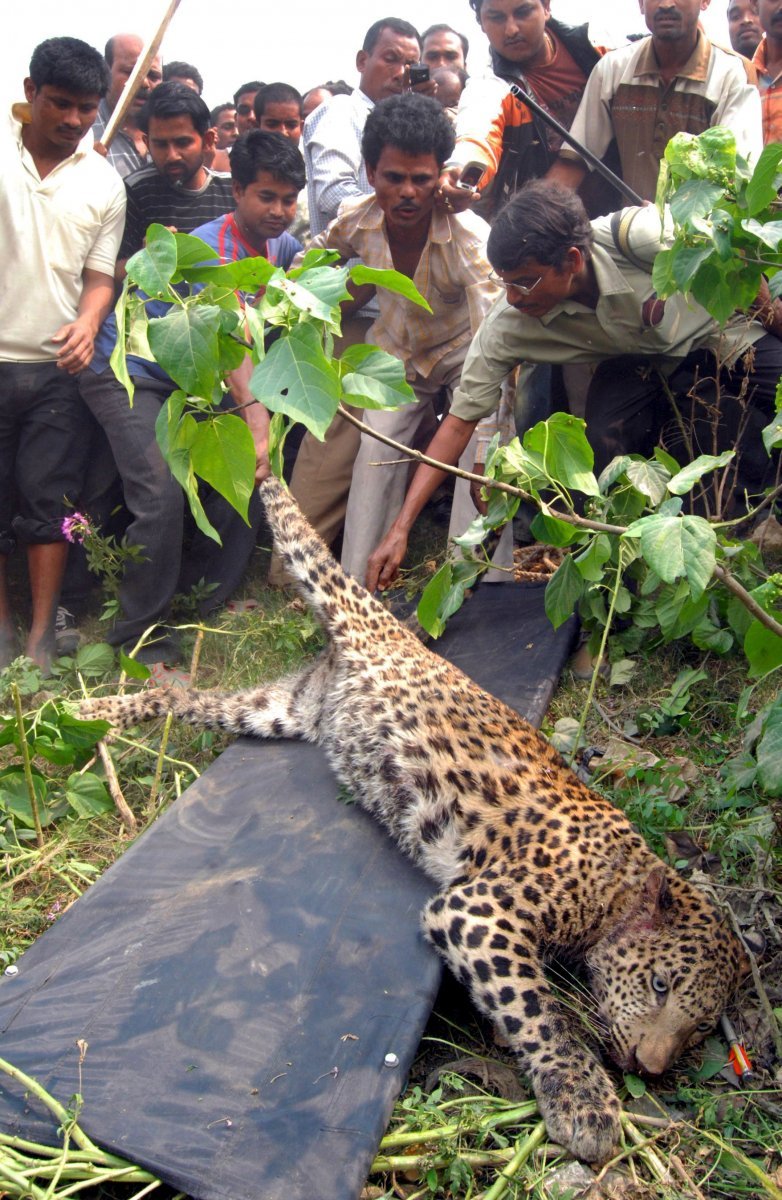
{"x":768,"y":311}
{"x":479,"y":468}
{"x":77,"y":346}
{"x":385,"y":559}
{"x":452,"y":198}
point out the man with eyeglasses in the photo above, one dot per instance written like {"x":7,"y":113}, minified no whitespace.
{"x":572,"y":295}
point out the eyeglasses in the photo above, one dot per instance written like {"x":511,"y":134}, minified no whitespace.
{"x":523,"y":288}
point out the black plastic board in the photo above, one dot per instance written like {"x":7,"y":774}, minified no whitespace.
{"x":242,"y":971}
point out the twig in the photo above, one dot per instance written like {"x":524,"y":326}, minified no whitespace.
{"x":642,"y":1144}
{"x":120,"y":803}
{"x":54,"y":1106}
{"x":153,"y":794}
{"x":40,"y":862}
{"x":743,"y":595}
{"x":28,"y":770}
{"x":195,"y":658}
{"x":522,"y":1152}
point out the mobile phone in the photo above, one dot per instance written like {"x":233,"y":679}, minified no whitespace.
{"x":470,"y":176}
{"x":417,"y":73}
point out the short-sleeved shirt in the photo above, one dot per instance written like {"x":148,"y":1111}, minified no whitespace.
{"x":626,"y":99}
{"x":770,"y":94}
{"x":51,"y":229}
{"x":626,"y":319}
{"x":452,"y":274}
{"x":152,"y":198}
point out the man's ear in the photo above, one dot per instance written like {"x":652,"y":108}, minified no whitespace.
{"x":237,"y":189}
{"x":371,"y":174}
{"x":210,"y":137}
{"x":361,"y":60}
{"x":145,"y":137}
{"x":29,"y":90}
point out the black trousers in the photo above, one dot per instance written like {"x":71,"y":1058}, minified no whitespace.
{"x":628,"y":411}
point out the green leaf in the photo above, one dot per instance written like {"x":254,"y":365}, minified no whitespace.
{"x":635,"y":1085}
{"x":118,"y":359}
{"x":87,"y":795}
{"x":278,"y":431}
{"x":715,"y":1057}
{"x":650,"y":478}
{"x":664,"y":274}
{"x":763,"y":649}
{"x":132,"y":668}
{"x":392,"y":281}
{"x":327,"y":283}
{"x":191,"y":252}
{"x":590,"y":562}
{"x":772,"y":434}
{"x":152,"y":268}
{"x":246,"y":275}
{"x":695,"y":198}
{"x":373,"y":378}
{"x":550,"y":531}
{"x":314,"y":257}
{"x":714,"y":288}
{"x":297,"y":379}
{"x":563,"y":592}
{"x":308,"y":303}
{"x":677,"y":545}
{"x":614,"y":471}
{"x":694,"y":471}
{"x":15,"y":798}
{"x":176,"y":431}
{"x":438,"y":594}
{"x":687,"y":262}
{"x":84,"y":735}
{"x":762,"y":188}
{"x":768,"y":232}
{"x":223,"y":453}
{"x":185,"y":345}
{"x":622,"y":672}
{"x":94,"y":660}
{"x":561,"y":443}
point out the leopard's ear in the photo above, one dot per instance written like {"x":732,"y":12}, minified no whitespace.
{"x":654,"y":902}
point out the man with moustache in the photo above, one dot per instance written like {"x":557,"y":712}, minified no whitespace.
{"x":442,"y":46}
{"x":744,"y":28}
{"x":768,"y":61}
{"x":406,"y":140}
{"x":128,"y":150}
{"x":675,"y":81}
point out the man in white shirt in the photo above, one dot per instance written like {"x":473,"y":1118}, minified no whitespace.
{"x":62,"y":210}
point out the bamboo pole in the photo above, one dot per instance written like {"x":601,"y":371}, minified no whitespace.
{"x":136,"y":76}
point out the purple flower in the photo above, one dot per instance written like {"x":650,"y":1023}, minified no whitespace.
{"x":76,"y":528}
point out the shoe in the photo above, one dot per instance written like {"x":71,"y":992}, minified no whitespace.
{"x":165,"y":649}
{"x":66,"y":633}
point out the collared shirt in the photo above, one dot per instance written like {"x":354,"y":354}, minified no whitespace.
{"x":331,"y":144}
{"x":452,"y":274}
{"x":51,"y":229}
{"x":122,"y":153}
{"x":627,"y":317}
{"x":770,"y":94}
{"x":626,"y":99}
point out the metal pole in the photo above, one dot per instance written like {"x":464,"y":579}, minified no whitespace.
{"x":567,"y":136}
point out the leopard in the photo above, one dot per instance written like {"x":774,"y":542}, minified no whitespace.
{"x":529,"y":863}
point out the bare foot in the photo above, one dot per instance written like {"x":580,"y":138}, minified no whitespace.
{"x":9,"y":646}
{"x":41,"y":652}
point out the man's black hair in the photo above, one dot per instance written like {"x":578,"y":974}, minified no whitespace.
{"x":173,"y":99}
{"x":476,"y":6}
{"x":70,"y":64}
{"x":252,"y":86}
{"x":219,"y":109}
{"x":541,"y":223}
{"x":402,"y":28}
{"x":275,"y":93}
{"x":257,"y":151}
{"x":338,"y":87}
{"x":447,"y":29}
{"x":183,"y":70}
{"x":411,"y":123}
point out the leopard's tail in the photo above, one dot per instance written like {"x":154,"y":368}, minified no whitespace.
{"x":333,"y":596}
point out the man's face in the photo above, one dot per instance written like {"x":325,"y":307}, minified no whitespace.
{"x":546,"y":286}
{"x":770,"y":16}
{"x":245,"y":117}
{"x":672,"y":20}
{"x":177,"y":149}
{"x":744,"y":27}
{"x":449,"y":87}
{"x":516,"y":29}
{"x":405,"y":186}
{"x":265,"y":208}
{"x":383,"y":71}
{"x":226,"y":129}
{"x":126,"y":51}
{"x":283,"y":117}
{"x":59,"y":119}
{"x":442,"y":50}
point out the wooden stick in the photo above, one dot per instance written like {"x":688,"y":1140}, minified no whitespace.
{"x":136,"y":76}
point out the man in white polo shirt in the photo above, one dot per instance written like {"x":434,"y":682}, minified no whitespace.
{"x":62,"y":211}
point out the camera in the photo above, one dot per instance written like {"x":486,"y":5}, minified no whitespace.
{"x":470,"y":176}
{"x":417,"y":73}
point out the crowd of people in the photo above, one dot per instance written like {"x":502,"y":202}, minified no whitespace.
{"x":541,"y":295}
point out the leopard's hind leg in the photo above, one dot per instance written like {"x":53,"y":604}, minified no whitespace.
{"x":289,"y":707}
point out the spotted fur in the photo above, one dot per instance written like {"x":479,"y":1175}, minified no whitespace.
{"x":530,"y":862}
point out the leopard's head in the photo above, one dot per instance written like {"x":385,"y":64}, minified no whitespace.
{"x":663,"y":974}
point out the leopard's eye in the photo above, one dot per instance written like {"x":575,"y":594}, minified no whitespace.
{"x":704,"y":1026}
{"x":659,"y":985}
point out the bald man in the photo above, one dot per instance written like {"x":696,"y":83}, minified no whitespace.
{"x":128,"y":150}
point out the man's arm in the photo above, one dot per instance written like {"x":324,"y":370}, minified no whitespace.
{"x":254,"y":413}
{"x":446,"y":446}
{"x":739,"y":110}
{"x":333,"y":152}
{"x":592,"y":126}
{"x":77,"y":338}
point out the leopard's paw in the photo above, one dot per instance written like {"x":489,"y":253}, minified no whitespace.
{"x":581,"y":1112}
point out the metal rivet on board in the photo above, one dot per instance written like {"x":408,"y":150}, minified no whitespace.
{"x":12,"y":970}
{"x":391,"y":1060}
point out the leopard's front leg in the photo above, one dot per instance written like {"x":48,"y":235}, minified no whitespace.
{"x":493,"y":951}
